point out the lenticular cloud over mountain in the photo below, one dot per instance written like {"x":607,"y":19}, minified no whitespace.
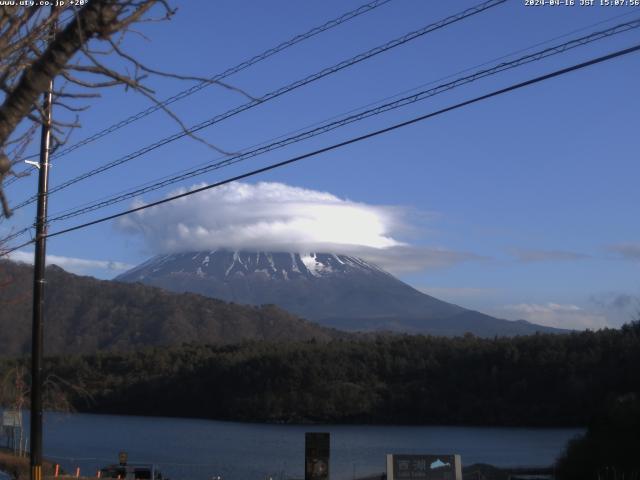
{"x":274,"y":217}
{"x":264,"y":216}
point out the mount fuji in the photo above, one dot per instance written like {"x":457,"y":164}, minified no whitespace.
{"x":338,"y":291}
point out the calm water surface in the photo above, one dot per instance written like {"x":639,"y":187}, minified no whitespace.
{"x":200,"y":449}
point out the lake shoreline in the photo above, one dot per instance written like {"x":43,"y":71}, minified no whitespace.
{"x":17,"y":468}
{"x":310,"y":423}
{"x":199,"y":449}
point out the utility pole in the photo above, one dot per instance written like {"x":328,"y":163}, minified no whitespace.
{"x":38,"y":289}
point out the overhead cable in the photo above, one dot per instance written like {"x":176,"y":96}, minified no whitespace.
{"x":360,"y":138}
{"x":422,"y":95}
{"x":367,"y":7}
{"x":275,"y":94}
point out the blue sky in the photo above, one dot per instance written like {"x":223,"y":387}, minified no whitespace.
{"x":522,"y":206}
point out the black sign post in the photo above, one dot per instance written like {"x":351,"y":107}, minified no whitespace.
{"x":316,"y":456}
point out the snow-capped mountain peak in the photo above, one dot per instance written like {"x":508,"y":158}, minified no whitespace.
{"x":225,"y":265}
{"x":335,"y":290}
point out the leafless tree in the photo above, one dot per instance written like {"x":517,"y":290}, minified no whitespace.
{"x":76,"y":45}
{"x":14,"y":390}
{"x":59,"y":393}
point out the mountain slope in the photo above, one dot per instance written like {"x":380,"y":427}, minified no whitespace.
{"x":84,"y":315}
{"x":335,"y":290}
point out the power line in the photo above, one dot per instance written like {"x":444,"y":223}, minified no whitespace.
{"x":16,"y":234}
{"x":614,"y":17}
{"x":502,"y":57}
{"x":351,"y":111}
{"x":303,"y":135}
{"x":422,"y":95}
{"x":4,"y":253}
{"x":276,"y":93}
{"x":335,"y":146}
{"x":367,"y":7}
{"x":586,"y":27}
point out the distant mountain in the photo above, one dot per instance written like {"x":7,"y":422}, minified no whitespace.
{"x":85,"y":315}
{"x":339,"y":291}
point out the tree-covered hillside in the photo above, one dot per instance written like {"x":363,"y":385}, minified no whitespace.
{"x":86,"y":315}
{"x":534,"y":380}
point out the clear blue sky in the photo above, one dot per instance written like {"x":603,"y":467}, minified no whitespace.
{"x":531,"y":196}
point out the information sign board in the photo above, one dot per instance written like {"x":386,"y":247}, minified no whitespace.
{"x":424,"y":467}
{"x":12,"y":418}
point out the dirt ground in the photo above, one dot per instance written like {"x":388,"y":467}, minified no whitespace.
{"x":18,"y":467}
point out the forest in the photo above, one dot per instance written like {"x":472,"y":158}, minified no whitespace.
{"x":538,"y":380}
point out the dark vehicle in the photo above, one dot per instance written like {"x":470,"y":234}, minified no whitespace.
{"x":131,"y":472}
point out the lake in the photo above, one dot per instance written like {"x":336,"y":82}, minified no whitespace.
{"x":200,"y":449}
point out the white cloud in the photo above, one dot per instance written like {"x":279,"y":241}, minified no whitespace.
{"x":547,"y":255}
{"x":557,"y":315}
{"x":615,"y":300}
{"x":626,"y":251}
{"x":278,"y":217}
{"x":407,"y":258}
{"x":619,"y":307}
{"x":459,"y":293}
{"x":74,"y":265}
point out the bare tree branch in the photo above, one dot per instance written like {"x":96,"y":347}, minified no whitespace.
{"x":32,"y":54}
